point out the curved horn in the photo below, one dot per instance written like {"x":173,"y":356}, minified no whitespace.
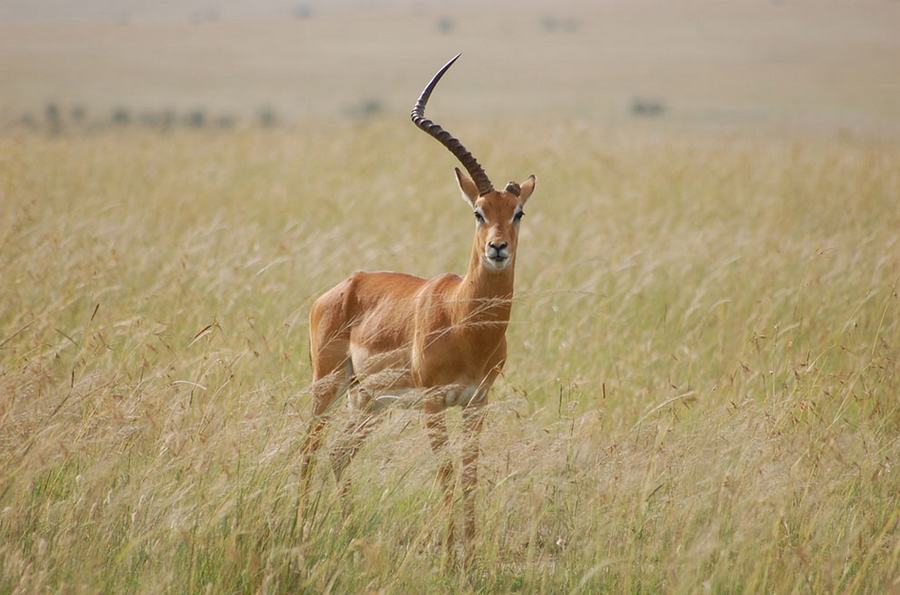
{"x":445,"y":138}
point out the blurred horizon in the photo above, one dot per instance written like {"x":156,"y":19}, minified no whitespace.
{"x":784,"y":63}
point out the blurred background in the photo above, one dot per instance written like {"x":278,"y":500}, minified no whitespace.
{"x":816,"y":65}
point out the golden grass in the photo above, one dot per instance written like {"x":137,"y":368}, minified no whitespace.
{"x":702,"y":392}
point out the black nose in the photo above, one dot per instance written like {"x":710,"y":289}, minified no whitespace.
{"x":498,"y":247}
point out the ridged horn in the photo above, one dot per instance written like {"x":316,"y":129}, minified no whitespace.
{"x":445,"y":138}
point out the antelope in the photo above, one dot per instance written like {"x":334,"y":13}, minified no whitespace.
{"x":435,"y":343}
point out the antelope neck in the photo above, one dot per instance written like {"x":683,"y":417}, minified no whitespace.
{"x":486,"y":296}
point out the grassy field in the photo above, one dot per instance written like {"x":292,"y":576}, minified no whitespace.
{"x":703,"y":389}
{"x":702,"y":393}
{"x":810,"y":64}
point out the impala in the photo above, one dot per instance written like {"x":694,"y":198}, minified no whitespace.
{"x":436,"y":343}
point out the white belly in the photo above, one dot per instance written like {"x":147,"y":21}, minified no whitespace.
{"x":460,"y":395}
{"x":384,"y":379}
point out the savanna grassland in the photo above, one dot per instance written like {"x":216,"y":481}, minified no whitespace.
{"x":701,"y":393}
{"x":702,"y":387}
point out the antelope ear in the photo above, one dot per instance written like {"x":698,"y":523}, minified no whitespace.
{"x":467,"y":187}
{"x":527,"y":187}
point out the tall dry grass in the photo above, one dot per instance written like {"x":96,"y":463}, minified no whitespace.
{"x":701,"y":393}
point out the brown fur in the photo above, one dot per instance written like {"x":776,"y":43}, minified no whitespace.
{"x":391,"y":332}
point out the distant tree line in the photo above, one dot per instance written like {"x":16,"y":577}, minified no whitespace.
{"x":56,"y":119}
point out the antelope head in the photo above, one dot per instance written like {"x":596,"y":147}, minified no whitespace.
{"x":497,"y":213}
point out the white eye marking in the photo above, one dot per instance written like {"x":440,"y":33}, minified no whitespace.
{"x":479,"y":215}
{"x":517,"y":216}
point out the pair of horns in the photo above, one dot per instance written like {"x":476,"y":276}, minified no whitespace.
{"x":482,"y":182}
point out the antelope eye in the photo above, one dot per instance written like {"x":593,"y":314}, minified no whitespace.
{"x":479,"y":217}
{"x":518,"y":216}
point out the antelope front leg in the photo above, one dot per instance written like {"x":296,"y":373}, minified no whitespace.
{"x":473,"y":418}
{"x":436,"y":427}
